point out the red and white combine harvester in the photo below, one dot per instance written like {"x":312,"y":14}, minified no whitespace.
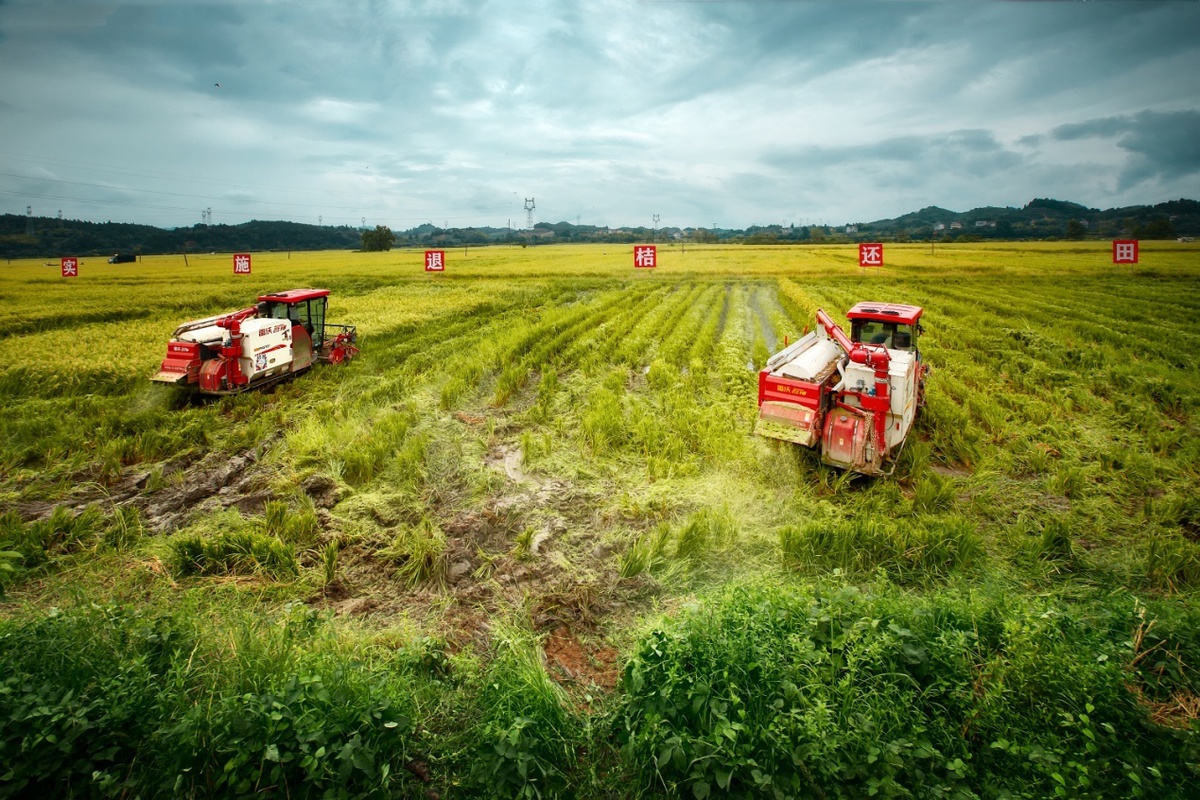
{"x":285,"y":333}
{"x":853,"y":398}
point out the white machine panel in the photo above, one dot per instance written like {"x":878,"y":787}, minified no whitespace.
{"x":266,"y":347}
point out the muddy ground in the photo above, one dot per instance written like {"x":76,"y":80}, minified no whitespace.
{"x":563,"y":579}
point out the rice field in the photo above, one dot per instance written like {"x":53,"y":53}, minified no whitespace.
{"x":526,"y":544}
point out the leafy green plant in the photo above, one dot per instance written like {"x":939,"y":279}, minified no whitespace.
{"x":768,"y":691}
{"x":107,"y":702}
{"x":524,"y":741}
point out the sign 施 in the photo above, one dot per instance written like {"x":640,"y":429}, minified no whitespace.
{"x":435,"y":260}
{"x":241,"y":263}
{"x":645,"y":256}
{"x":870,"y":254}
{"x":69,"y":266}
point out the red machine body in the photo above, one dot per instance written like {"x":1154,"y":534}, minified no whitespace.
{"x":853,"y":397}
{"x":280,"y":336}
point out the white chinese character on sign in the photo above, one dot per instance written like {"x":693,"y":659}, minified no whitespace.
{"x":1124,"y":251}
{"x":646,"y":256}
{"x":433,"y":259}
{"x":241,"y":264}
{"x":870,"y":255}
{"x":70,"y":268}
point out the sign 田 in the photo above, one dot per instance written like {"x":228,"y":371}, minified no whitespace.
{"x":870,"y":255}
{"x":1125,"y":251}
{"x":645,"y":256}
{"x":70,"y":267}
{"x":435,"y":260}
{"x":241,"y":263}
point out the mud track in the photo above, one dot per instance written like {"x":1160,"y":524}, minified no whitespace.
{"x":193,"y":486}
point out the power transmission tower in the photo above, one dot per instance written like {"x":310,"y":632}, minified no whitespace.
{"x":29,"y":220}
{"x":529,"y":207}
{"x":654,"y":230}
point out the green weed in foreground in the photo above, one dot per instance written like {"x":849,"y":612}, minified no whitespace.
{"x":108,"y":702}
{"x":527,"y":738}
{"x":768,"y":691}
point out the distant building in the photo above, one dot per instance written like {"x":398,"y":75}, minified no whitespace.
{"x":954,"y":226}
{"x":983,"y":223}
{"x":851,"y":229}
{"x":941,"y":226}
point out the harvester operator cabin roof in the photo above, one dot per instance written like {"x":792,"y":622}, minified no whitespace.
{"x":886,"y":312}
{"x":294,"y":296}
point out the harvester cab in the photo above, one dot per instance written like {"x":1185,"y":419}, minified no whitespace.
{"x":853,"y":398}
{"x":280,"y":336}
{"x":887,"y":324}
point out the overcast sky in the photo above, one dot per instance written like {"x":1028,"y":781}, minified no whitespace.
{"x":605,"y":112}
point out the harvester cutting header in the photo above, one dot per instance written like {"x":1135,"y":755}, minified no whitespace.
{"x":853,"y":398}
{"x":284,"y":334}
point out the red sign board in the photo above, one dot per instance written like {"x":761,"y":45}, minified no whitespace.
{"x":645,"y":256}
{"x":241,"y":263}
{"x":70,"y":267}
{"x":870,"y":254}
{"x":435,"y":260}
{"x":1125,"y":251}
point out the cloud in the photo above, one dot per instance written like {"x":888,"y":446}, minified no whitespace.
{"x":1158,"y":144}
{"x":733,"y":112}
{"x":901,"y":160}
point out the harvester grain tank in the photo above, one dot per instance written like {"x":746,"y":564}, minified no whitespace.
{"x":284,"y":334}
{"x":853,"y":398}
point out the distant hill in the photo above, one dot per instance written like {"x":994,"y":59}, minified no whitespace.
{"x":1041,"y":218}
{"x":1044,"y":218}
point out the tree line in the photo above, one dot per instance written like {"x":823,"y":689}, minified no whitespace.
{"x":1039,"y":219}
